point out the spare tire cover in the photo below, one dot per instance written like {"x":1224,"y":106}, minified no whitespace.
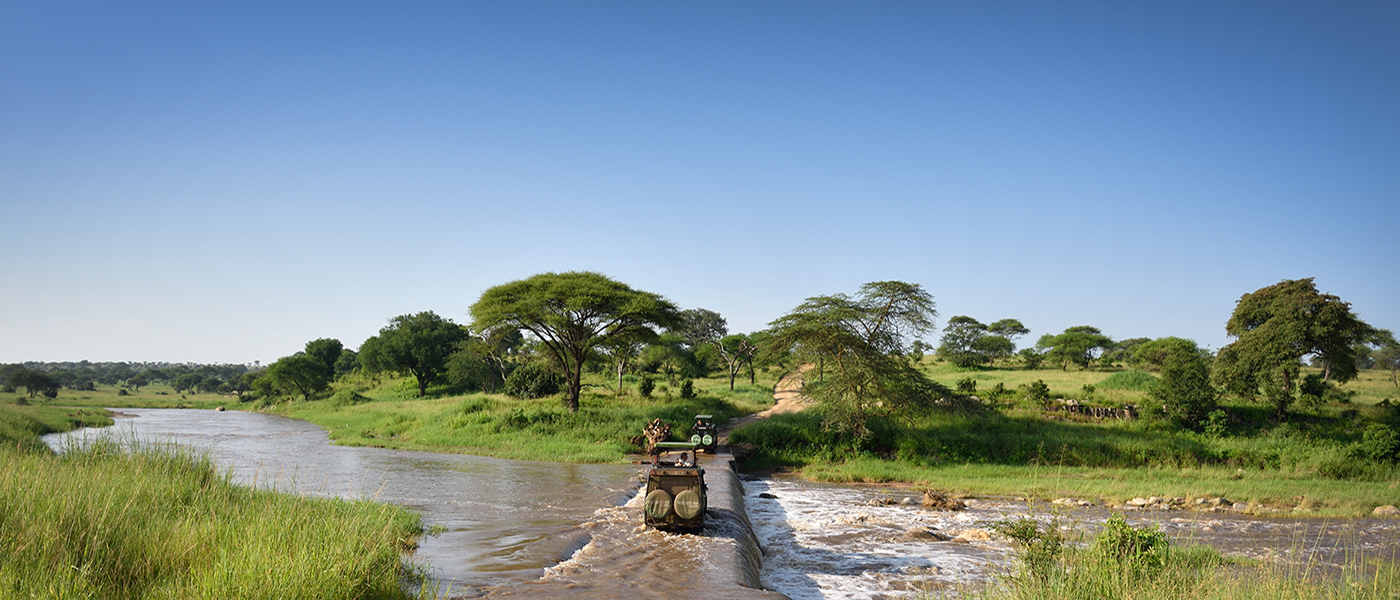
{"x":708,"y":440}
{"x":687,"y":504}
{"x":695,"y":439}
{"x":658,"y":504}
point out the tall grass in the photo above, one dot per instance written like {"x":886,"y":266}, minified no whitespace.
{"x":1139,"y":564}
{"x":103,"y":521}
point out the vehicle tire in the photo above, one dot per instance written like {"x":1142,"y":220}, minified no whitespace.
{"x":658,"y":504}
{"x":687,"y":504}
{"x":695,"y":439}
{"x":708,"y":440}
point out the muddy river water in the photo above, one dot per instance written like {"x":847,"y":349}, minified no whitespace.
{"x":549,"y":530}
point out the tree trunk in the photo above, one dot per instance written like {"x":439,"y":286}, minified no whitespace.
{"x":422,"y":385}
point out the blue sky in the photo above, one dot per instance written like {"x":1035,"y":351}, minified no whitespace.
{"x":221,"y":182}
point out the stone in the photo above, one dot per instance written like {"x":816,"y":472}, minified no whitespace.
{"x":1139,"y":502}
{"x":1239,"y":507}
{"x":1388,"y":510}
{"x":768,"y":496}
{"x":972,"y":535}
{"x":924,"y":534}
{"x":908,"y":501}
{"x":937,"y":501}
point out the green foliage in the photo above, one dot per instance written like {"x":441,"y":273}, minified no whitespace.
{"x":1217,"y":423}
{"x":1152,"y":355}
{"x":966,"y":385}
{"x":1031,"y":358}
{"x":296,"y":374}
{"x":1039,"y":545}
{"x":1037,"y":392}
{"x":1076,"y":345}
{"x":1141,"y":552}
{"x":1140,"y":381}
{"x":687,"y":389}
{"x":1184,"y":389}
{"x":346,"y":398}
{"x":326,"y":350}
{"x":106,"y":522}
{"x":572,"y":314}
{"x":960,"y":337}
{"x":1380,"y":443}
{"x":858,"y":345}
{"x":646,"y":385}
{"x":418,"y":345}
{"x":533,"y":380}
{"x":34,"y":382}
{"x":1274,"y":328}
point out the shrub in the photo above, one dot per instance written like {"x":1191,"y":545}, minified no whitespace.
{"x":1217,"y":423}
{"x":687,"y":389}
{"x":533,"y":380}
{"x":1380,"y":443}
{"x":1037,"y":391}
{"x":967,"y":385}
{"x":646,"y":386}
{"x":1141,"y":552}
{"x":1039,"y":546}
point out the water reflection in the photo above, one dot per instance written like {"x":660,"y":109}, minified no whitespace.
{"x":506,"y":521}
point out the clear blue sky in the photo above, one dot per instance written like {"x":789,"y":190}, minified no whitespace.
{"x":221,"y":182}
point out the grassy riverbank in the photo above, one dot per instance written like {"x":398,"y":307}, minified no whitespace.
{"x":112,"y":522}
{"x":1124,"y":562}
{"x":1307,"y":465}
{"x":389,"y":416}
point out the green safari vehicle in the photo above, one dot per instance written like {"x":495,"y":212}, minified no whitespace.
{"x":705,"y":435}
{"x":676,"y":493}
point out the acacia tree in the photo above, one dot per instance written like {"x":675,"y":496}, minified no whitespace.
{"x":1076,"y":345}
{"x":860,"y":342}
{"x":418,"y":344}
{"x":960,"y":338}
{"x":571,"y":314}
{"x":1274,"y":328}
{"x":736,"y":350}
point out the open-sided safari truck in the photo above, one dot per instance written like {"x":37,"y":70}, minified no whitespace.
{"x":705,"y":435}
{"x":675,"y":496}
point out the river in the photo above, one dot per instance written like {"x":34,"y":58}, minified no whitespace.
{"x":552,"y":530}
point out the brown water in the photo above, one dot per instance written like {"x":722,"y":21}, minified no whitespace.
{"x":549,"y":530}
{"x":507,"y":521}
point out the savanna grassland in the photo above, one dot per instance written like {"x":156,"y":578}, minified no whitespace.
{"x":1008,"y":445}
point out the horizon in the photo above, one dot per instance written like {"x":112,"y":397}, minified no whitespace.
{"x":221,"y":183}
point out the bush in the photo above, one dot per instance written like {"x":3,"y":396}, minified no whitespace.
{"x":533,"y":380}
{"x":1040,"y":546}
{"x":967,"y":385}
{"x":1037,"y":391}
{"x":1380,"y":443}
{"x":1217,"y":423}
{"x":687,"y":389}
{"x":646,"y":386}
{"x":1141,"y":552}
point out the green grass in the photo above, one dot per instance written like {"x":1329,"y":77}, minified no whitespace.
{"x":1139,"y":564}
{"x":1135,"y":380}
{"x":21,"y":426}
{"x":505,"y":427}
{"x":147,"y":522}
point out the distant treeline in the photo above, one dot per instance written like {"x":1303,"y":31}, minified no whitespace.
{"x":46,"y":378}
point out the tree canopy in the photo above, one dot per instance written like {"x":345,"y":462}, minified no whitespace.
{"x":572,"y":314}
{"x":417,"y":344}
{"x":297,"y":374}
{"x":1274,"y":328}
{"x":857,"y":343}
{"x":1076,"y":345}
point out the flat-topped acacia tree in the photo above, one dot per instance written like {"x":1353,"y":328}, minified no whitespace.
{"x":571,"y":314}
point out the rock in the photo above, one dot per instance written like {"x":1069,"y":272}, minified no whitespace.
{"x":219,"y":409}
{"x":923,"y":534}
{"x":972,"y":535}
{"x":1388,"y":510}
{"x":908,"y":501}
{"x":1156,"y":500}
{"x":938,"y":501}
{"x":768,"y":496}
{"x":1239,"y":507}
{"x":881,"y":502}
{"x":1139,"y":502}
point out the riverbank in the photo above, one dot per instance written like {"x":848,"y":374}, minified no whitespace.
{"x":110,"y":520}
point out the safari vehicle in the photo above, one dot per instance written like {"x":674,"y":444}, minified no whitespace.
{"x":705,"y":435}
{"x":675,"y":496}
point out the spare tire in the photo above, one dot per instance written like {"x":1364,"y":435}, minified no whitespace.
{"x":695,"y":439}
{"x":658,"y":504}
{"x":708,"y":440}
{"x":687,"y":504}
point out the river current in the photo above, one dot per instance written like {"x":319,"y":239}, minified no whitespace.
{"x":552,"y":530}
